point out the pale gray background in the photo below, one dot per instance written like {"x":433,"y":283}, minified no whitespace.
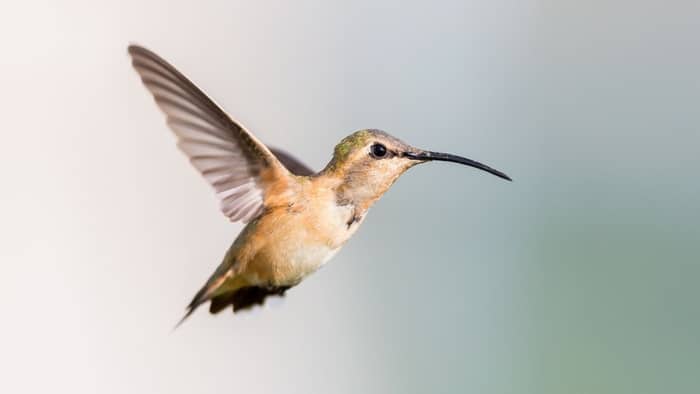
{"x":579,"y":277}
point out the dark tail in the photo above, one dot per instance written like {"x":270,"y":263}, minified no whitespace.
{"x":203,"y":295}
{"x":245,"y":298}
{"x":199,"y":298}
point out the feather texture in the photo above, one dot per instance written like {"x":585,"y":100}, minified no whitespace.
{"x":228,"y":156}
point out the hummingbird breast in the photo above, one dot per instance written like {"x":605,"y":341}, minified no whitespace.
{"x":288,"y":243}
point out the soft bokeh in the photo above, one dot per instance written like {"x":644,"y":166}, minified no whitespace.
{"x":578,"y":277}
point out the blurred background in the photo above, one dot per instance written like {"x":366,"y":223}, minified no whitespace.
{"x":578,"y":277}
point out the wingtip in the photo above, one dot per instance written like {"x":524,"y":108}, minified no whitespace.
{"x":132,"y":47}
{"x":135,"y":49}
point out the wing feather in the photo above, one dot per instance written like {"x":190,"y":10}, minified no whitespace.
{"x":228,"y":156}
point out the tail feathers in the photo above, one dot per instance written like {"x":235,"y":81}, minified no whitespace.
{"x":182,"y":320}
{"x":245,"y":298}
{"x":237,"y":294}
{"x":199,"y":299}
{"x":203,"y":295}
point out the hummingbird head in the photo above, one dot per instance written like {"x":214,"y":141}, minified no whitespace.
{"x":368,"y":162}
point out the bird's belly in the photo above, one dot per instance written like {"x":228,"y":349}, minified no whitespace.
{"x":286,"y":264}
{"x":307,"y":260}
{"x":293,"y":246}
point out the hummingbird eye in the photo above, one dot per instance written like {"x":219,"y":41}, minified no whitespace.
{"x":378,"y":150}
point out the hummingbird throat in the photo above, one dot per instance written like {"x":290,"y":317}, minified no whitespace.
{"x":362,"y":188}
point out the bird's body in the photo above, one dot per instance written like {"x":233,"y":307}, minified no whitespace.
{"x":292,"y":240}
{"x":303,"y":226}
{"x":296,"y":219}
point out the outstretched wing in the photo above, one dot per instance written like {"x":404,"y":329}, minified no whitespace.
{"x":229,"y":157}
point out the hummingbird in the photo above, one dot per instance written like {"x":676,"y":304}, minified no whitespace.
{"x":296,"y":219}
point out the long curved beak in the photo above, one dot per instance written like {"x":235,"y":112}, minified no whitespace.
{"x":437,"y":156}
